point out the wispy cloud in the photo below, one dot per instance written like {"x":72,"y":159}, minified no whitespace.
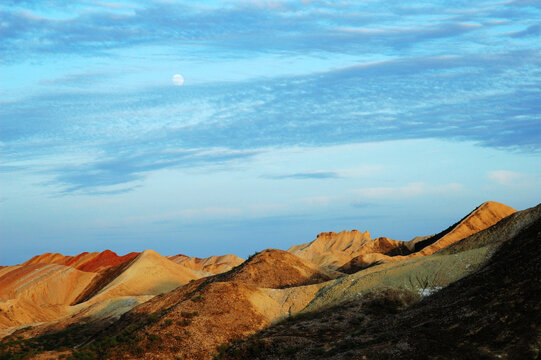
{"x":315,"y":26}
{"x":505,"y":177}
{"x":97,"y":176}
{"x":457,"y":97}
{"x":409,"y":80}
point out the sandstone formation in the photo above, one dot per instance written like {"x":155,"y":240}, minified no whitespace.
{"x":484,"y":216}
{"x":274,"y":268}
{"x":38,"y":292}
{"x":213,"y":264}
{"x":91,"y":262}
{"x":148,"y":274}
{"x":335,"y":249}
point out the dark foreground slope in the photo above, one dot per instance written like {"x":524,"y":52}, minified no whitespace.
{"x":493,"y":313}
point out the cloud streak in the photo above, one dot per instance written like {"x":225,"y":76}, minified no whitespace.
{"x":475,"y":98}
{"x":316,"y":26}
{"x":103,"y":174}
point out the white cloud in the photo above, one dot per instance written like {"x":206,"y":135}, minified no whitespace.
{"x":505,"y":177}
{"x":409,"y":190}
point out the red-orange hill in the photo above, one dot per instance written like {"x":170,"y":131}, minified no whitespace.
{"x":89,"y":262}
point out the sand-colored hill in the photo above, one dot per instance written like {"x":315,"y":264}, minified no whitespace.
{"x":43,"y":283}
{"x":43,"y":291}
{"x":483,"y":217}
{"x":197,"y":319}
{"x":274,"y":268}
{"x":86,"y":261}
{"x":335,"y":249}
{"x":38,"y":292}
{"x":212,"y":264}
{"x":148,"y":274}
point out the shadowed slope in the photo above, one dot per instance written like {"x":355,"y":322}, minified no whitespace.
{"x":101,"y":281}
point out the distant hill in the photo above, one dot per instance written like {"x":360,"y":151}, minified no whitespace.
{"x":333,"y":250}
{"x":90,"y":262}
{"x":212,"y":265}
{"x":484,"y":216}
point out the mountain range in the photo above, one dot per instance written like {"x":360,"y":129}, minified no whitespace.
{"x":470,"y":291}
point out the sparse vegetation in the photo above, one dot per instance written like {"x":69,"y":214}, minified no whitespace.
{"x":426,"y":282}
{"x":389,"y":300}
{"x":251,"y":256}
{"x":198,"y":298}
{"x":189,"y":315}
{"x":167,"y":323}
{"x":185,"y":322}
{"x":250,"y":348}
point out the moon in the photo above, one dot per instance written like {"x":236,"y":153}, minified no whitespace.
{"x":178,"y":79}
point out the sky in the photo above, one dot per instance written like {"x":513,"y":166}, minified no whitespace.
{"x":216,"y":127}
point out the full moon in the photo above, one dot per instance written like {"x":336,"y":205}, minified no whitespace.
{"x":178,"y":79}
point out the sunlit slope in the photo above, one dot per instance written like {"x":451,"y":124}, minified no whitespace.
{"x":38,"y":292}
{"x":335,"y":249}
{"x":148,"y":274}
{"x":86,"y":261}
{"x":484,"y":216}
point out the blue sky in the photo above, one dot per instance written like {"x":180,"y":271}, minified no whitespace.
{"x":295,"y":117}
